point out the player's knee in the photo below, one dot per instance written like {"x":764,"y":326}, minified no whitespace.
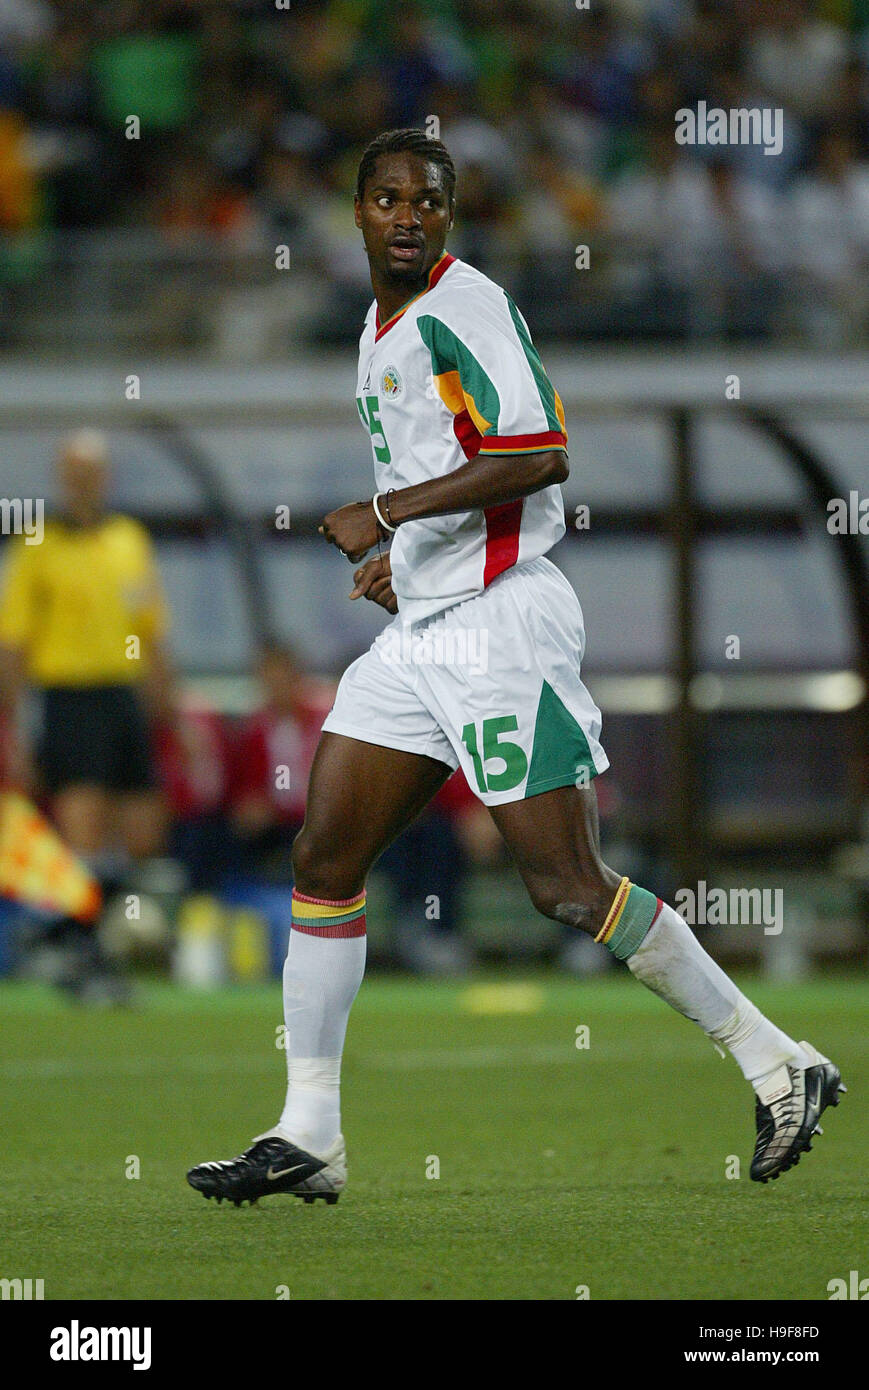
{"x":321,"y":871}
{"x":311,"y":870}
{"x":580,"y":901}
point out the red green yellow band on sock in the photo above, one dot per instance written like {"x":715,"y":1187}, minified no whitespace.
{"x":627,"y":923}
{"x":615,"y":912}
{"x":328,"y":902}
{"x":339,"y":917}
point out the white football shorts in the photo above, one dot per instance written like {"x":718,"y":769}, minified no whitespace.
{"x":491,"y":685}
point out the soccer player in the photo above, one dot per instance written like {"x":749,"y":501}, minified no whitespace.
{"x":469,"y":451}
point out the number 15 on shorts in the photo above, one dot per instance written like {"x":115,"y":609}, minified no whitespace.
{"x":494,"y":745}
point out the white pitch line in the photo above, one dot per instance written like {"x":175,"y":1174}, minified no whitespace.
{"x":543,"y":1054}
{"x":472,"y":1057}
{"x":48,"y":1068}
{"x":417,"y":1059}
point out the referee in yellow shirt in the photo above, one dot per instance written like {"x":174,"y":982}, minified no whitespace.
{"x":82,"y":622}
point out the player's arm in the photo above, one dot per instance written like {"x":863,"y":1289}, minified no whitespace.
{"x":150,"y":620}
{"x":18,"y":607}
{"x":484,"y":481}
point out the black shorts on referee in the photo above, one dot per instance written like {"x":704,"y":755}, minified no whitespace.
{"x":95,"y":734}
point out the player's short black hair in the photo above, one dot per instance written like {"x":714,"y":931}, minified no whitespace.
{"x":414,"y":141}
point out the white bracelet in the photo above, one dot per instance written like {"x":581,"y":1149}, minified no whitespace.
{"x":385,"y":524}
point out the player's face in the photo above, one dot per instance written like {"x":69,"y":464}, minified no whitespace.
{"x":404,"y":216}
{"x":83,"y":480}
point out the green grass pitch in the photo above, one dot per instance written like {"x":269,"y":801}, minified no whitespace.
{"x":560,"y":1166}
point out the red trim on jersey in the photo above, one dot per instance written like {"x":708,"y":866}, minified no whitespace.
{"x":505,"y":443}
{"x":657,"y":913}
{"x":467,"y":434}
{"x":502,"y":538}
{"x":434,"y":275}
{"x":439,"y":269}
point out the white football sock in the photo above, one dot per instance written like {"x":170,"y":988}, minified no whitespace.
{"x":671,"y":962}
{"x":311,"y":1116}
{"x":322,"y":976}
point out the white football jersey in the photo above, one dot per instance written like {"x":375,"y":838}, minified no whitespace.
{"x":452,"y":374}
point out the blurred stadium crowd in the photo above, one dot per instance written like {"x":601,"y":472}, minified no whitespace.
{"x":561,"y":120}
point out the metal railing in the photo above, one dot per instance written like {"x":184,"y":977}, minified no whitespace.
{"x":156,"y":290}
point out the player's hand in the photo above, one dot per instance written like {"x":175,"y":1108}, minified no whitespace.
{"x":354,"y":529}
{"x":374,"y":581}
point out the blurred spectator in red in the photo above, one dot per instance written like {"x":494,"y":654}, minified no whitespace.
{"x":275,"y":750}
{"x":192,"y":749}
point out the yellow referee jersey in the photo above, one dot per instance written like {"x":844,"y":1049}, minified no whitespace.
{"x":73,"y":602}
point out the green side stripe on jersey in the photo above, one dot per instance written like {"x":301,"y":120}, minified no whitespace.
{"x":449,"y":354}
{"x":545,"y":389}
{"x":560,"y":748}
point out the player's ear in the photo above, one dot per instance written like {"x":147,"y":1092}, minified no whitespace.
{"x":357,"y":211}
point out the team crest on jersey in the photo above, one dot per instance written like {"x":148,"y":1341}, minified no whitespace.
{"x":392,"y":383}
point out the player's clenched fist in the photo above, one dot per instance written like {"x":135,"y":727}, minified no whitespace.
{"x":374,"y":581}
{"x":354,"y":529}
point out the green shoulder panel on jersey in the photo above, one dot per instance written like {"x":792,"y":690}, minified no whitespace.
{"x":449,"y":354}
{"x":546,"y":391}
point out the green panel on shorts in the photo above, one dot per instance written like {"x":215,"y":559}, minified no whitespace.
{"x":560,"y":749}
